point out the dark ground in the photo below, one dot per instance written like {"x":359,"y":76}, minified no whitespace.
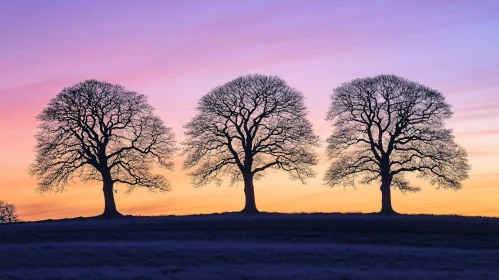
{"x":267,"y":246}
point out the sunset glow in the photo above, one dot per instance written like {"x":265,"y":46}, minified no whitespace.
{"x":176,"y":51}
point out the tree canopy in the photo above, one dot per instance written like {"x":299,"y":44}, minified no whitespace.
{"x":8,"y":213}
{"x":247,"y":126}
{"x":99,"y":131}
{"x":386,"y":126}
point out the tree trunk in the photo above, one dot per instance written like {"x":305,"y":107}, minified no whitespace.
{"x":249,"y":193}
{"x":386,"y":197}
{"x":110,"y":210}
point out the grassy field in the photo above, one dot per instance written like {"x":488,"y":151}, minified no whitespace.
{"x":266,"y":246}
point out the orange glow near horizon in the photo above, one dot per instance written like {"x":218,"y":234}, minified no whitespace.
{"x":274,"y":193}
{"x":157,"y":48}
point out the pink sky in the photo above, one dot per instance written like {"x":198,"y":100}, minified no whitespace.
{"x":176,"y":51}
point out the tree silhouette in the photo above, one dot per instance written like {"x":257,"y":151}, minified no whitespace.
{"x":8,"y":213}
{"x":387,"y":126}
{"x":247,"y":126}
{"x":99,"y":131}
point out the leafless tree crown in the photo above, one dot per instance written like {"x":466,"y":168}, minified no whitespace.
{"x":8,"y":213}
{"x":96,"y":126}
{"x":390,"y":125}
{"x":249,"y":125}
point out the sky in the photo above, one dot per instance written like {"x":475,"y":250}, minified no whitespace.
{"x":176,"y":51}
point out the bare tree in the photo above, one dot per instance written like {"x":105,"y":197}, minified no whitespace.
{"x":387,"y":126}
{"x":247,"y":126}
{"x":99,"y":131}
{"x":8,"y":213}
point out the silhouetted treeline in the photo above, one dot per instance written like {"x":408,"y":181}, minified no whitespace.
{"x":382,"y":128}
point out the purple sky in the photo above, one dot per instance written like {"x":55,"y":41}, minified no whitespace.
{"x":176,"y":51}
